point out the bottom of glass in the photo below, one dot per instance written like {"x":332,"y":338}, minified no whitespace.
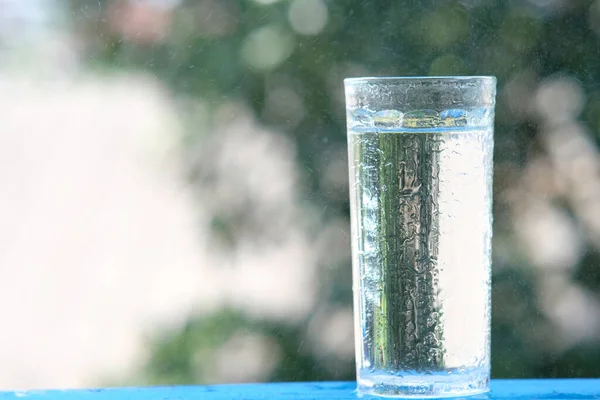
{"x":415,"y":385}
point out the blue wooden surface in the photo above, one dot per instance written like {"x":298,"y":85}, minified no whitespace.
{"x":500,"y":389}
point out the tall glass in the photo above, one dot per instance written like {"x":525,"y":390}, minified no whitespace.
{"x":420,"y":157}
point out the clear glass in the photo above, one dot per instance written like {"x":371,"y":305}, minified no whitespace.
{"x":420,"y":157}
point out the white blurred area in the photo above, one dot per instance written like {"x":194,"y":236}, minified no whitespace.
{"x":103,"y":241}
{"x":98,"y":241}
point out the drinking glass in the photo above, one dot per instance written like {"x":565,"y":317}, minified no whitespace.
{"x":420,"y":161}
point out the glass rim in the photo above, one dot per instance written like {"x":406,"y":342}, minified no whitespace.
{"x":391,"y":79}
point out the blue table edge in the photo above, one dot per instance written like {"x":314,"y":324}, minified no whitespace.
{"x":500,"y":389}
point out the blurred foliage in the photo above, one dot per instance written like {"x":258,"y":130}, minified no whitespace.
{"x":182,"y":357}
{"x":241,"y":50}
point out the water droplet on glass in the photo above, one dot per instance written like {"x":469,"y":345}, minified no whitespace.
{"x":432,"y":319}
{"x":431,"y":340}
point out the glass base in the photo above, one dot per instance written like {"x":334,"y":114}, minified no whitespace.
{"x":415,"y":385}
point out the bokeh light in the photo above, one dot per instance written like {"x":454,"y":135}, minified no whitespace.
{"x":267,"y":47}
{"x":308,"y":17}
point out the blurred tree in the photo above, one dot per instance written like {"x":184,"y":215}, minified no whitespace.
{"x":286,"y":61}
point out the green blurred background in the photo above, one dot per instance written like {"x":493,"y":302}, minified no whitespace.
{"x":258,"y":86}
{"x":284,"y":62}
